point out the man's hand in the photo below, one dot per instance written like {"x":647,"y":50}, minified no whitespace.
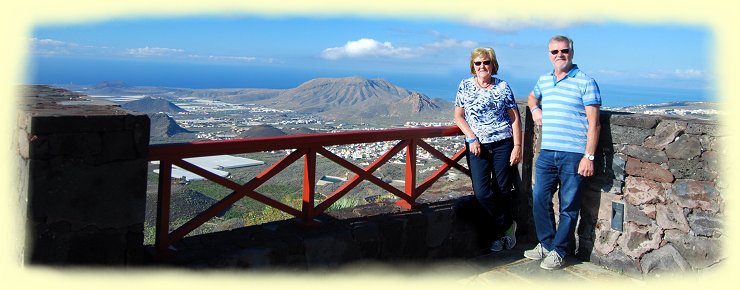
{"x":534,"y":105}
{"x":537,"y":117}
{"x":586,"y":167}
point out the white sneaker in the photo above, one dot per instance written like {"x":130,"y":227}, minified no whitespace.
{"x":538,"y":253}
{"x":553,"y":261}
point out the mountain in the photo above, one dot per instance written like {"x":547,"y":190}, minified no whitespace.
{"x":353,"y":97}
{"x":111,"y":85}
{"x":118,"y":88}
{"x":298,"y":130}
{"x":237,"y":96}
{"x":111,"y":88}
{"x":698,"y":110}
{"x":152,"y":105}
{"x":420,"y":103}
{"x":331,"y":98}
{"x":163,"y":126}
{"x":261,"y":131}
{"x":269,"y":131}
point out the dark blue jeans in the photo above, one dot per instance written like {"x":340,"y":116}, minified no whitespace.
{"x":492,"y":181}
{"x":556,"y":169}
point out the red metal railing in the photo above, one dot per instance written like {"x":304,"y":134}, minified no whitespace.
{"x":306,"y":146}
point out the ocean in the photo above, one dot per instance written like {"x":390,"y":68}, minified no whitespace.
{"x":435,"y":84}
{"x":611,"y":95}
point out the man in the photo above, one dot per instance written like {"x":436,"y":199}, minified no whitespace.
{"x":565,"y":102}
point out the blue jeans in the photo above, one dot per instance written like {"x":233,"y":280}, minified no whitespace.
{"x":492,"y":182}
{"x":553,"y":167}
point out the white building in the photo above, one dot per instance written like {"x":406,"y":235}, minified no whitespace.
{"x":212,"y":164}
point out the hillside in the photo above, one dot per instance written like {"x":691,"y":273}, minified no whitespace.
{"x":236,"y":96}
{"x":346,"y":98}
{"x":298,"y":130}
{"x":354,"y":97}
{"x":163,"y":126}
{"x":119,"y":88}
{"x":418,"y":103}
{"x":151,"y":105}
{"x":699,"y":110}
{"x":261,"y":131}
{"x":185,"y":202}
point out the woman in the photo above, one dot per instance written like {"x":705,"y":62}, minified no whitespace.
{"x":486,"y":112}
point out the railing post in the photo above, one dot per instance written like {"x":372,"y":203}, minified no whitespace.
{"x":164,"y":194}
{"x":309,"y":185}
{"x":410,"y":184}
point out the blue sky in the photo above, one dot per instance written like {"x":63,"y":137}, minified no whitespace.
{"x":647,"y":63}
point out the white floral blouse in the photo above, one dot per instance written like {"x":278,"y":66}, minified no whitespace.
{"x":486,"y":110}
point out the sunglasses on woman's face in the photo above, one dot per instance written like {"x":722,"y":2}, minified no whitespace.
{"x":478,"y":63}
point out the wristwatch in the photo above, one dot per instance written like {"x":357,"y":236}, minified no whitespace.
{"x":589,"y":156}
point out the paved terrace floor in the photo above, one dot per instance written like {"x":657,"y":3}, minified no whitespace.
{"x":511,"y":266}
{"x":506,"y":267}
{"x":493,"y":268}
{"x":502,"y":270}
{"x":490,"y":270}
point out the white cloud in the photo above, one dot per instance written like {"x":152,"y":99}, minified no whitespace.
{"x":611,"y":73}
{"x":452,"y":43}
{"x":49,"y":47}
{"x":689,"y":73}
{"x":152,"y":51}
{"x":367,"y":47}
{"x":684,"y":74}
{"x":47,"y":42}
{"x":224,"y":58}
{"x":53,"y":47}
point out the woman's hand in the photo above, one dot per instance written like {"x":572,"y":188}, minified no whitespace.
{"x":474,"y":148}
{"x":516,"y":155}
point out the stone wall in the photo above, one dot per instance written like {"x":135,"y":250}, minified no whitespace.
{"x":432,"y":231}
{"x":663,"y":172}
{"x":83,"y":173}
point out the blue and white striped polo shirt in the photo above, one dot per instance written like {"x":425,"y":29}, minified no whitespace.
{"x":564,"y":123}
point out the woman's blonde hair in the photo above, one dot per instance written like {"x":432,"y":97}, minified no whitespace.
{"x":484,"y":51}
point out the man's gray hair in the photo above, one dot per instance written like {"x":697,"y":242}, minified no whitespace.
{"x":562,"y":38}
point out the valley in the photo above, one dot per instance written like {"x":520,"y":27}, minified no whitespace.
{"x":186,"y":115}
{"x":317,"y":106}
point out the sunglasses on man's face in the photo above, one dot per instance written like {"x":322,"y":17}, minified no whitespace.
{"x":564,"y":51}
{"x":477,"y":63}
